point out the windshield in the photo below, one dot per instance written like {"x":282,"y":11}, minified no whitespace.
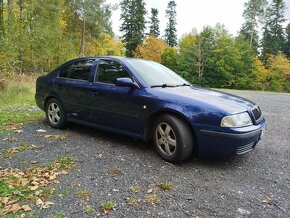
{"x":155,"y":74}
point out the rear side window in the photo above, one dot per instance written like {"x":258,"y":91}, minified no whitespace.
{"x":109,"y":71}
{"x":79,"y":70}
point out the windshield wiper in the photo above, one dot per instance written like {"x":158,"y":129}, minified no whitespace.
{"x":163,"y":86}
{"x":184,"y":84}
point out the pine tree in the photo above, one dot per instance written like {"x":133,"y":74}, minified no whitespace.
{"x":170,"y":31}
{"x":154,"y":23}
{"x":133,"y":24}
{"x":273,"y":40}
{"x":287,"y":46}
{"x":254,"y":10}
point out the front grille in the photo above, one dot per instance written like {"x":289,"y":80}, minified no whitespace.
{"x":245,"y":149}
{"x":257,"y":113}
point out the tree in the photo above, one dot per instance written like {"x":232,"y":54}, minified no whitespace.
{"x":154,"y":23}
{"x":273,"y":40}
{"x":287,"y":46}
{"x":254,"y":10}
{"x":151,"y":49}
{"x":169,"y":58}
{"x":95,"y":16}
{"x":105,"y":45}
{"x":133,"y":24}
{"x":39,"y":37}
{"x":279,"y":73}
{"x":1,"y":19}
{"x":170,"y":31}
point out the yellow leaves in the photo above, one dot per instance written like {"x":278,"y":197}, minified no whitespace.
{"x":151,"y":49}
{"x":104,"y":45}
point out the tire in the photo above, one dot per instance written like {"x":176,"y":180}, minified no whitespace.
{"x":172,"y":138}
{"x":55,"y":114}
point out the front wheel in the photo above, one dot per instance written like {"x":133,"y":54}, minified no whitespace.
{"x":172,"y":138}
{"x":55,"y":114}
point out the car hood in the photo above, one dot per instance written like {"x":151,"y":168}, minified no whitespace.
{"x":229,"y":103}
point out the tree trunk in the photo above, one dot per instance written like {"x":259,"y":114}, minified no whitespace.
{"x":20,"y":50}
{"x":82,"y":49}
{"x":1,"y":19}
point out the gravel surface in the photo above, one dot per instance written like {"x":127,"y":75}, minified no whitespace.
{"x":253,"y":185}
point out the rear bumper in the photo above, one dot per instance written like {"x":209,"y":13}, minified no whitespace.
{"x":39,"y":101}
{"x":229,"y":142}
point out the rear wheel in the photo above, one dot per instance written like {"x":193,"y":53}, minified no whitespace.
{"x":55,"y":114}
{"x":172,"y":138}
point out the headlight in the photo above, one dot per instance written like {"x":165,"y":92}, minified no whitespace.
{"x":237,"y":120}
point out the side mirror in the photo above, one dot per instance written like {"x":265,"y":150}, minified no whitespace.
{"x":126,"y":82}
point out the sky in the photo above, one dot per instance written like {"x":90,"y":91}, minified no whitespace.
{"x":196,"y":14}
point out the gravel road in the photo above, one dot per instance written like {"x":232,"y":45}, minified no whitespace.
{"x":254,"y":185}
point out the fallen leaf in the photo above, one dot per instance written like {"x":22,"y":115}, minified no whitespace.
{"x":12,"y":209}
{"x":39,"y":202}
{"x":150,"y":190}
{"x":24,"y":182}
{"x":34,"y":162}
{"x":47,"y":136}
{"x":18,"y":131}
{"x":33,"y":188}
{"x":12,"y":201}
{"x":34,"y":183}
{"x":41,"y":130}
{"x":26,"y":208}
{"x":115,"y":190}
{"x":266,"y":201}
{"x":47,"y":204}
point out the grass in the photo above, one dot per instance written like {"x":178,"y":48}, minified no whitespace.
{"x":17,"y":101}
{"x":152,"y":199}
{"x":89,"y":210}
{"x":63,"y":163}
{"x":135,"y":188}
{"x":166,"y":186}
{"x":108,"y":206}
{"x":84,"y":195}
{"x":8,"y":153}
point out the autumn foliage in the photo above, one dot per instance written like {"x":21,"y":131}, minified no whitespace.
{"x":151,"y":49}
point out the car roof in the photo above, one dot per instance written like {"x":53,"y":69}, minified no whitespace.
{"x":113,"y":57}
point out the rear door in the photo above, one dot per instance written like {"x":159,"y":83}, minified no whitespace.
{"x":72,"y":86}
{"x":116,"y":107}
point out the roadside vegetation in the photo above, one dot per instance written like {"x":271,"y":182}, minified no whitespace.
{"x":17,"y":102}
{"x":256,"y":58}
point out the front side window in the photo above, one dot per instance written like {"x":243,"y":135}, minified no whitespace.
{"x":155,"y":74}
{"x":79,"y":70}
{"x":109,"y":71}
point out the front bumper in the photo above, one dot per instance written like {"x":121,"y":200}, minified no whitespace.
{"x":229,"y":141}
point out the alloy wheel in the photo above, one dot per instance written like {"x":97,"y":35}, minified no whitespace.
{"x":165,"y":139}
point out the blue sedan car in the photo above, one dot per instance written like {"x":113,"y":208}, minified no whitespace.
{"x":146,"y":100}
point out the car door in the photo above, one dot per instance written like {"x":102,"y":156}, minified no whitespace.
{"x":72,"y":86}
{"x":116,"y":107}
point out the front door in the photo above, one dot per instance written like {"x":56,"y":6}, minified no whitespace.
{"x":116,"y":107}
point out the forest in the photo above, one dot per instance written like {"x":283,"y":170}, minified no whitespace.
{"x":36,"y":36}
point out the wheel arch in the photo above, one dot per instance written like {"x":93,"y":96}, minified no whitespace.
{"x":151,"y":119}
{"x":50,"y":96}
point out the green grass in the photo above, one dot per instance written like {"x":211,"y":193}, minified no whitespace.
{"x":108,"y":206}
{"x":18,"y":103}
